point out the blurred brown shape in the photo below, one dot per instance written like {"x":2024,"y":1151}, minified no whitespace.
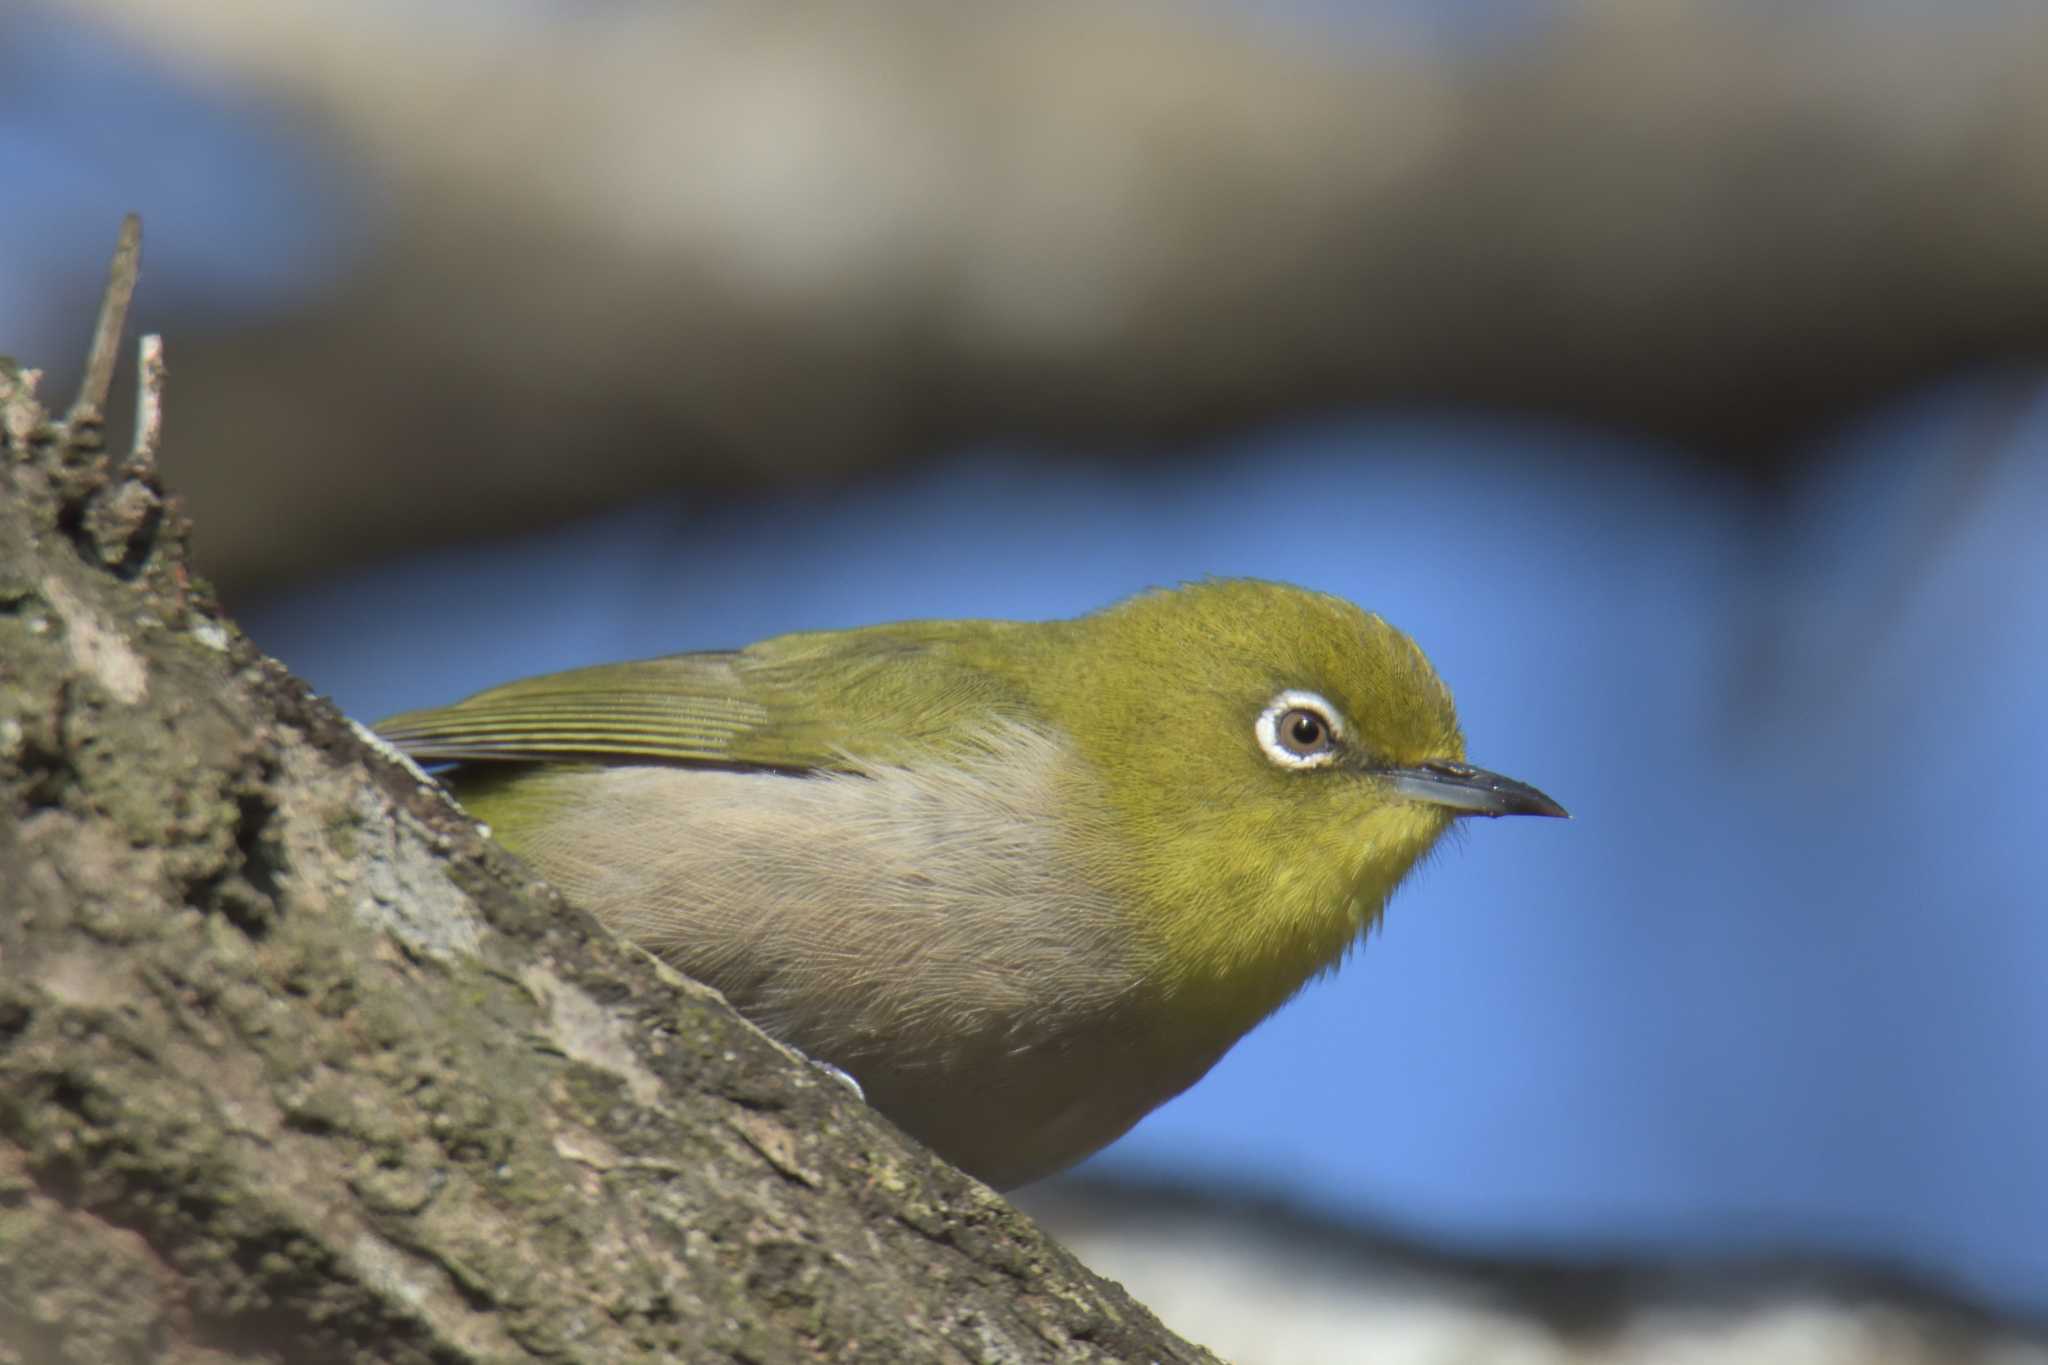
{"x":722,"y":244}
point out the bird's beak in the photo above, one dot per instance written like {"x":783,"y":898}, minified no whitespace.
{"x":1470,"y":791}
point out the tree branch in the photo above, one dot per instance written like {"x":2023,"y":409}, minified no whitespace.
{"x":294,"y":1064}
{"x":721,"y":243}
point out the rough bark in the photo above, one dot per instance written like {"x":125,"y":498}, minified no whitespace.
{"x":296,"y":1065}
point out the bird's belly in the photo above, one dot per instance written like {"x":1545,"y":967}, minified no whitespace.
{"x":931,"y":933}
{"x":1011,"y":1118}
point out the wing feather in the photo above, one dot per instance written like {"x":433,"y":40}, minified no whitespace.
{"x":796,"y":703}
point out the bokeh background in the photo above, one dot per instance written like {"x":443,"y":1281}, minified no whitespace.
{"x":1673,"y":373}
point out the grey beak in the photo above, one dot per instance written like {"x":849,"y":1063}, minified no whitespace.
{"x":1470,"y":791}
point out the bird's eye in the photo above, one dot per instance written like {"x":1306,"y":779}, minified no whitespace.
{"x":1300,"y":730}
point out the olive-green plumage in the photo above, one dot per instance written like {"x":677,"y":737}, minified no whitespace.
{"x":1024,"y":881}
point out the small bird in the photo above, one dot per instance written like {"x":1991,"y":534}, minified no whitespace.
{"x":1024,"y":881}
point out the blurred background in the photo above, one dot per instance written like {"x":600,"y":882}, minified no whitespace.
{"x":1672,"y":372}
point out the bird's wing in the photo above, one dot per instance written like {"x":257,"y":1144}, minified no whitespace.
{"x":794,"y":703}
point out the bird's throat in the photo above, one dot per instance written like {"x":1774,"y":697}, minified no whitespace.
{"x":1240,"y":940}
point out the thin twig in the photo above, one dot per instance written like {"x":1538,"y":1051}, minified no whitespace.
{"x":149,"y":402}
{"x":106,"y":335}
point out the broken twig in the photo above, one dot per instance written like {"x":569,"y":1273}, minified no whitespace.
{"x":106,"y":335}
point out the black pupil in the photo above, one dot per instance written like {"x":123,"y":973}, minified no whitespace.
{"x":1305,"y":728}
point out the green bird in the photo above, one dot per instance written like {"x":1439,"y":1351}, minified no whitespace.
{"x":1024,"y":881}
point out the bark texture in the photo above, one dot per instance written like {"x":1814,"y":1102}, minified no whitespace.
{"x":296,"y":1065}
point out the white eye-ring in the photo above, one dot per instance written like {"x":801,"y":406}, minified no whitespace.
{"x":1300,"y":730}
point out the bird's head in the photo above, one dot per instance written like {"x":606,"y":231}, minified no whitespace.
{"x":1275,"y":761}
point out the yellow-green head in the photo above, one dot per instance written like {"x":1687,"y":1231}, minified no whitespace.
{"x":1278,"y":760}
